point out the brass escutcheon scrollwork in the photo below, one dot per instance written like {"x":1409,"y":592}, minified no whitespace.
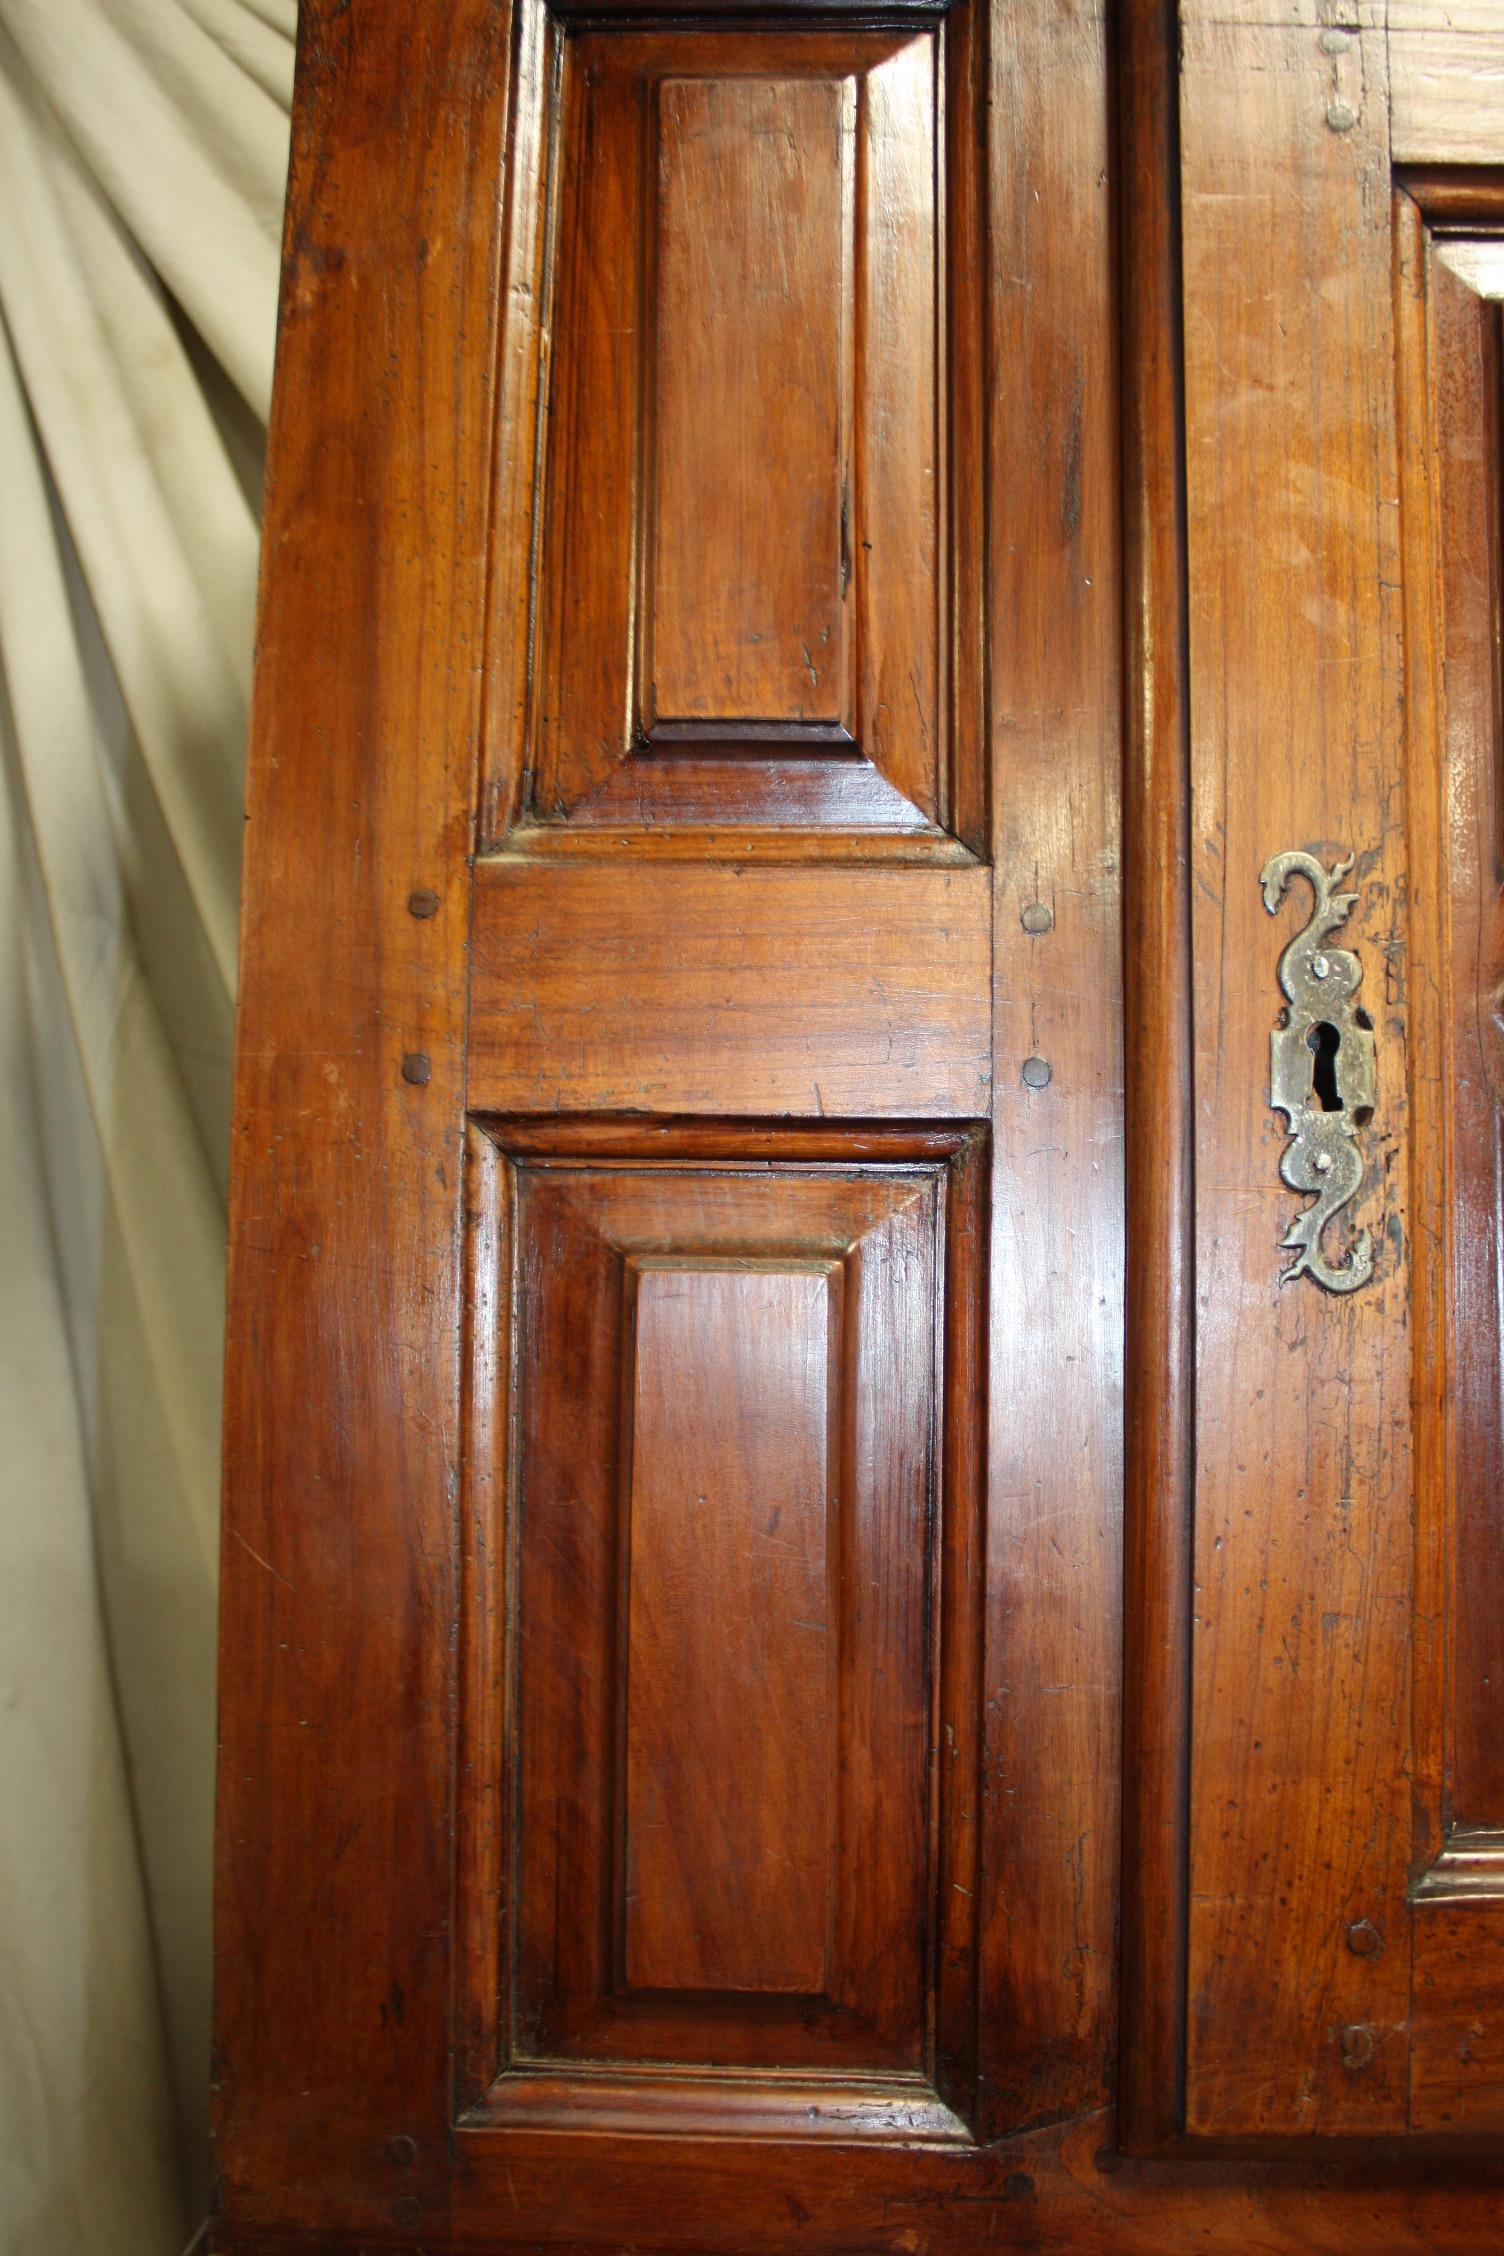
{"x":1321,"y":1074}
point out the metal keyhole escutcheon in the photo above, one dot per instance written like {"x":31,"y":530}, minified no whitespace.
{"x":1321,"y":1074}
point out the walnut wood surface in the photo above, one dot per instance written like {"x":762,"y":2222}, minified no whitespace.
{"x":732,"y":1541}
{"x":1457,"y":2064}
{"x":753,"y":519}
{"x":714,"y":857}
{"x":752,"y":335}
{"x":1059,"y":2190}
{"x":730,"y":989}
{"x":1450,"y":225}
{"x":1461,"y":398}
{"x":1300,"y":1809}
{"x":1053,"y":639}
{"x":1159,"y":1478}
{"x":339,"y":1584}
{"x":1446,"y":65}
{"x":723,"y":1761}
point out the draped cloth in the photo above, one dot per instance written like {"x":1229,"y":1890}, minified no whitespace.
{"x":143,"y":150}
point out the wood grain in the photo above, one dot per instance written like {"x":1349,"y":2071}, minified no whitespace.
{"x":1061,"y":2190}
{"x":1449,"y":393}
{"x":339,"y":1594}
{"x":1446,"y":75}
{"x":674,"y":1639}
{"x":762,"y":2107}
{"x":909,"y":486}
{"x":754,"y":525}
{"x":581,"y":717}
{"x":1054,"y":689}
{"x":510,"y":626}
{"x":723,"y":990}
{"x":1457,"y":2081}
{"x":685,"y":1690}
{"x":1159,"y":1478}
{"x":732,"y":1622}
{"x":1300,"y":1809}
{"x":753,"y":325}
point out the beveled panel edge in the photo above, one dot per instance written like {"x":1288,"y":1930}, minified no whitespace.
{"x":753,"y":15}
{"x":1455,"y":198}
{"x":811,"y":739}
{"x":1470,"y":1868}
{"x":703,"y":2104}
{"x":481,"y":2001}
{"x":774,"y":844}
{"x":594,"y":1138}
{"x":1430,"y":1287}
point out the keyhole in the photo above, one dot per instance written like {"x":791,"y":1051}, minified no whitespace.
{"x":1323,"y":1042}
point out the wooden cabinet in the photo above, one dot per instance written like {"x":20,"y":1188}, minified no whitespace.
{"x":824,"y":1648}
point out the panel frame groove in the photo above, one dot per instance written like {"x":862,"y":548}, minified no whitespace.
{"x":1159,"y":1410}
{"x":1448,"y":501}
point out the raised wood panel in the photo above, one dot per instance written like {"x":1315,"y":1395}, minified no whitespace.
{"x":733,"y":1592}
{"x":749,"y":414}
{"x":716,"y":1463}
{"x":1450,"y":233}
{"x":578,"y":1229}
{"x":756,"y":529}
{"x":837,"y":991}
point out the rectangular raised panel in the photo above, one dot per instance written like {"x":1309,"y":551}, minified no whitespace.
{"x":1450,"y":278}
{"x":1468,"y":406}
{"x":753,"y":330}
{"x":757,"y":990}
{"x":719,"y":1458}
{"x":1452,"y":389}
{"x":755,"y":535}
{"x":582,"y":1622}
{"x":730,"y":1630}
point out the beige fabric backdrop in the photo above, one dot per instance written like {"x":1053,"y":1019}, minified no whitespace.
{"x":143,"y":147}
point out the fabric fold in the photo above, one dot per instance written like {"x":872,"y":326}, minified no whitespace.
{"x":143,"y":150}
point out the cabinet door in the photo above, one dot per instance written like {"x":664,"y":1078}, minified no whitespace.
{"x":718,"y":936}
{"x":1314,"y":1941}
{"x":671,"y":1647}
